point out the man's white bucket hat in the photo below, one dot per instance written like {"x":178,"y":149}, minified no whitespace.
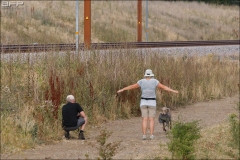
{"x":148,"y":73}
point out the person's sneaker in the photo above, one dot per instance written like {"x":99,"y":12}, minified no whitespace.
{"x":152,"y":137}
{"x":81,"y":136}
{"x":67,"y":135}
{"x":144,"y":137}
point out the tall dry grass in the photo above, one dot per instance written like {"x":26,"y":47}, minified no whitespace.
{"x":114,"y":21}
{"x":34,"y":88}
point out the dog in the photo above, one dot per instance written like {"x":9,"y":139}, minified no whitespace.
{"x":165,"y":118}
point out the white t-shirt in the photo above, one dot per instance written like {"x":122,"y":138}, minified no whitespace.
{"x":148,"y":88}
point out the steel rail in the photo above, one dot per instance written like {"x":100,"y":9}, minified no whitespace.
{"x":95,"y":46}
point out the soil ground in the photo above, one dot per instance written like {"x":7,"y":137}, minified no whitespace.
{"x":128,"y":133}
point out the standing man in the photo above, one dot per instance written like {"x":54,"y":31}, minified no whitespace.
{"x":73,"y":117}
{"x":148,"y":99}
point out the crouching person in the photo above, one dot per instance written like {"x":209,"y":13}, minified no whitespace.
{"x":73,"y":117}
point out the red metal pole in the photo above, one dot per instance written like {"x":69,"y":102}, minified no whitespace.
{"x":139,"y":23}
{"x":87,"y":24}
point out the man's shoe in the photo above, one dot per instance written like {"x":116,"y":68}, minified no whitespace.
{"x":81,"y":136}
{"x":67,"y":135}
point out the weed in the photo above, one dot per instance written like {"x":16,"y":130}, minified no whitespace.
{"x":182,"y":138}
{"x":106,"y":150}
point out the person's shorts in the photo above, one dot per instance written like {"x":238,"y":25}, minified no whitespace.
{"x":148,"y":111}
{"x":80,"y":122}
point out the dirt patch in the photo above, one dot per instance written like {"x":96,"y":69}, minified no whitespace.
{"x":128,"y":132}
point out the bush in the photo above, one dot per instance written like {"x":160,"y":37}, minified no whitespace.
{"x":234,"y":130}
{"x":182,"y":138}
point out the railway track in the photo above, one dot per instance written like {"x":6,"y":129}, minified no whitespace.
{"x":95,"y":46}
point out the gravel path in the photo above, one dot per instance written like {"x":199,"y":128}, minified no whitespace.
{"x":128,"y":132}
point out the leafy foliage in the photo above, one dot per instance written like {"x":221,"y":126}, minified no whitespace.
{"x":182,"y":138}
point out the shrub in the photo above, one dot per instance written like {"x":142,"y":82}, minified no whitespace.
{"x":234,"y":130}
{"x":182,"y":138}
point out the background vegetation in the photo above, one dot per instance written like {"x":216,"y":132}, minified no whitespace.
{"x":116,"y":21}
{"x":34,"y":87}
{"x":225,"y":2}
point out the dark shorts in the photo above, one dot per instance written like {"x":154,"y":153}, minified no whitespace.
{"x":80,"y":122}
